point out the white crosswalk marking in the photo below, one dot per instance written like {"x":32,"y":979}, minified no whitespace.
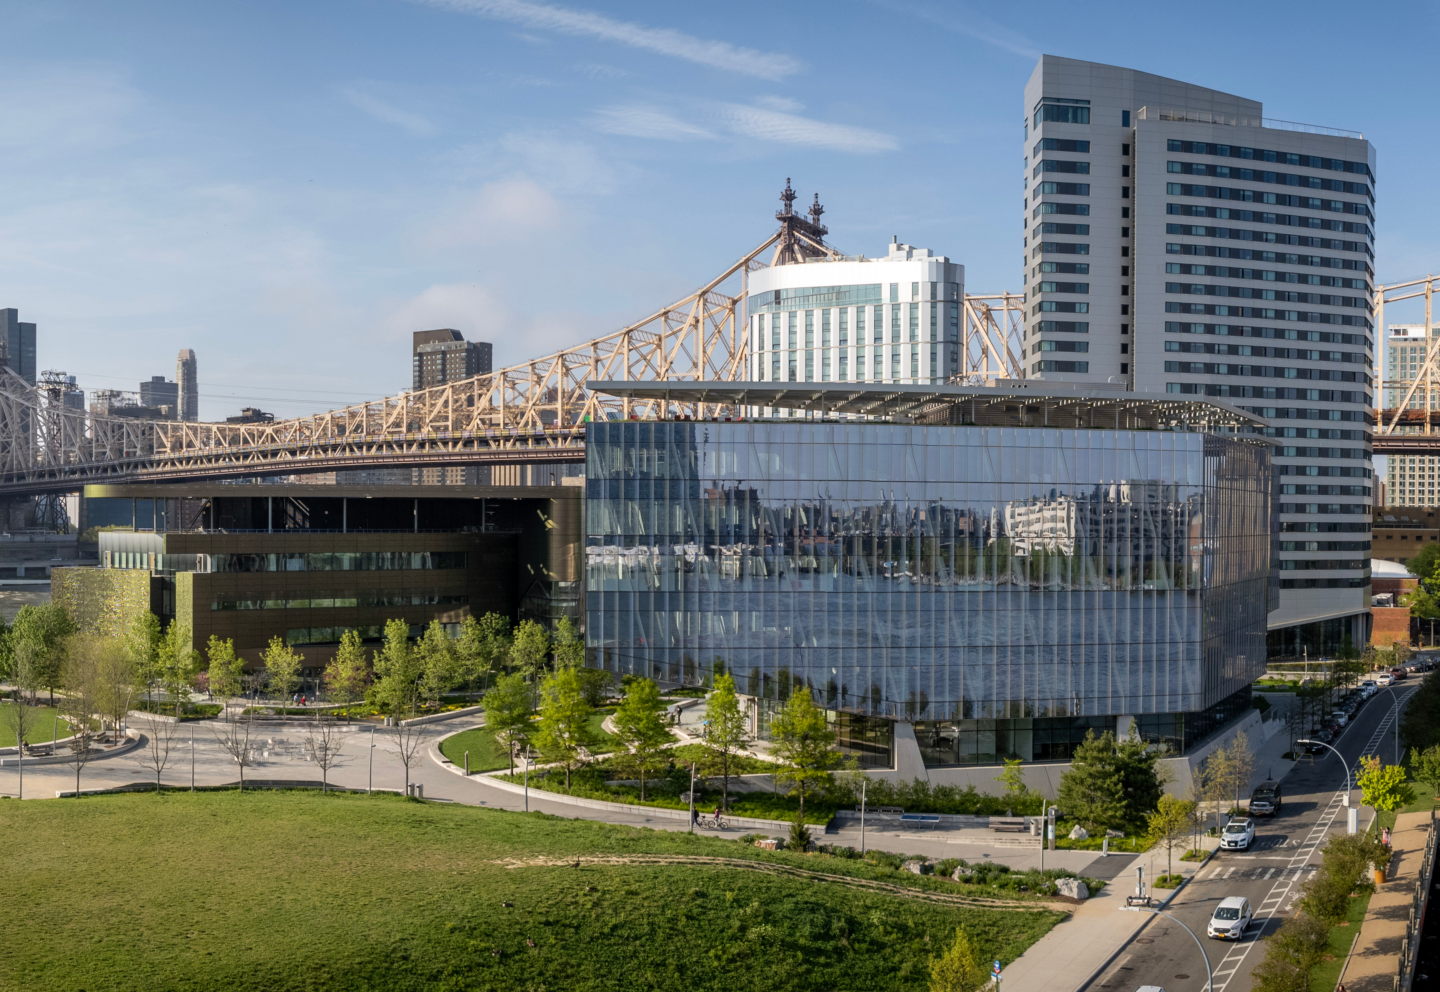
{"x":1283,"y":887}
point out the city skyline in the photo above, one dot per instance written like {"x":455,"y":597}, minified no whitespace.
{"x":422,"y":194}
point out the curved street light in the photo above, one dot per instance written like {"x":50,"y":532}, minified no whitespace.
{"x":1209,"y":976}
{"x":1343,"y":762}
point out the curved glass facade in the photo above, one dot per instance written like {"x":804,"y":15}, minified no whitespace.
{"x":924,"y":572}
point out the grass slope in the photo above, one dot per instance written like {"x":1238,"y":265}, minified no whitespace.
{"x":41,"y":731}
{"x":293,"y":890}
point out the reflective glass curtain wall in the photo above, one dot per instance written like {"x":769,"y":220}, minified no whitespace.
{"x":931,"y":572}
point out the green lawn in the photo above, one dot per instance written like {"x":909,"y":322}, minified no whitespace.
{"x":486,"y":754}
{"x":295,"y":890}
{"x":42,"y":731}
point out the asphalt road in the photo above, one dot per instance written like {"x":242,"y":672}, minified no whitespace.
{"x":1284,"y":854}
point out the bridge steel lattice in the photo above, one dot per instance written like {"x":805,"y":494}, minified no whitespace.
{"x":531,"y":412}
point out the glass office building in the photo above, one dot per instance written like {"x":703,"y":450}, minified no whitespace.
{"x":1003,"y":586}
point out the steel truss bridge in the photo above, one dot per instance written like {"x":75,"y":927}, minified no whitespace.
{"x":532,"y":412}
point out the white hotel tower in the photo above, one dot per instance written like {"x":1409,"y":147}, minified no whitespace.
{"x":816,"y":316}
{"x":1178,"y":241}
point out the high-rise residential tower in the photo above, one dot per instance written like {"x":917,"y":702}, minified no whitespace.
{"x":1178,"y":241}
{"x":186,"y":376}
{"x":443,"y":355}
{"x":19,"y":340}
{"x":157,"y":392}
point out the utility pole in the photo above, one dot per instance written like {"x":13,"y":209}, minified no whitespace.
{"x":370,"y":789}
{"x":863,"y":784}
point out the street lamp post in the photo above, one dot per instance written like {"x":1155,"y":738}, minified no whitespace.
{"x":1209,"y":976}
{"x":1348,"y":787}
{"x":370,"y":789}
{"x":1047,"y":831}
{"x":527,"y":778}
{"x":863,"y":783}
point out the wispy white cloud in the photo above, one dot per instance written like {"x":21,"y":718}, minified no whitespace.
{"x":387,"y":112}
{"x":792,"y":129}
{"x":662,"y":41}
{"x":61,"y":109}
{"x":648,"y":122}
{"x":781,"y":103}
{"x":955,"y":17}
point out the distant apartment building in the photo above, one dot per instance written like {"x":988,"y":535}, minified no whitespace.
{"x":1404,"y":355}
{"x":19,"y":340}
{"x":440,"y":356}
{"x":1177,"y":241}
{"x":160,"y":393}
{"x":186,"y":374}
{"x":443,"y":355}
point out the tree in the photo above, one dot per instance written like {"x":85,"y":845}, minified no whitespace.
{"x":409,"y":746}
{"x":1093,"y":790}
{"x":1344,"y":864}
{"x":726,"y":732}
{"x":1420,"y":723}
{"x":507,"y":713}
{"x":1236,"y":768}
{"x":1425,"y":766}
{"x":1424,"y":564}
{"x":1384,"y":786}
{"x":116,"y":681}
{"x":323,"y":744}
{"x":529,"y":649}
{"x":176,"y":663}
{"x":1291,"y":954}
{"x":80,"y":674}
{"x":397,"y":671}
{"x":348,"y":673}
{"x":803,"y":743}
{"x":569,"y":646}
{"x":438,"y":663}
{"x":143,"y":642}
{"x":564,"y":731}
{"x":235,"y":738}
{"x":282,"y":669}
{"x":44,"y":628}
{"x":161,"y":738}
{"x":482,"y":647}
{"x":226,"y":670}
{"x":1169,"y":824}
{"x":640,"y":728}
{"x":1013,"y":776}
{"x":960,"y":969}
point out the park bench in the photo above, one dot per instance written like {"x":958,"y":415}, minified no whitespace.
{"x":1007,"y":824}
{"x":919,"y":821}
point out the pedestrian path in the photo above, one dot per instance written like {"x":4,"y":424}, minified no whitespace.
{"x":1066,"y":957}
{"x":1375,"y":961}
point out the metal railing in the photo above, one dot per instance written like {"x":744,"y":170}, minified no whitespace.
{"x":1415,"y":923}
{"x":1239,"y":120}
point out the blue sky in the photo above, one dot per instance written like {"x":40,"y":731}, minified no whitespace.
{"x":291,"y":188}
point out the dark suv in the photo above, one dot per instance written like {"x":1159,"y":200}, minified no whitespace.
{"x":1266,"y":799}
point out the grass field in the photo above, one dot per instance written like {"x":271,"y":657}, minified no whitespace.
{"x":41,"y":732}
{"x":294,"y":890}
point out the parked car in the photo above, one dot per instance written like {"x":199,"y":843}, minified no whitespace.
{"x":1384,"y":679}
{"x":1238,"y":834}
{"x":1341,"y":718}
{"x":1398,"y":674}
{"x":1231,"y":918}
{"x":1367,"y":688}
{"x":1266,"y":799}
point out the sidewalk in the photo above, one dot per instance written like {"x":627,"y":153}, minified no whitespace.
{"x":1377,"y":954}
{"x":1071,"y":954}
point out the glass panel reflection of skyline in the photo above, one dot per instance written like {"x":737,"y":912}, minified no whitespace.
{"x":931,"y":572}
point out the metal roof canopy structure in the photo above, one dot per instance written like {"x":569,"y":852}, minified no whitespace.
{"x":1011,"y":403}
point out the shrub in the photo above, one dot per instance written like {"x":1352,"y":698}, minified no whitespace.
{"x":799,"y":835}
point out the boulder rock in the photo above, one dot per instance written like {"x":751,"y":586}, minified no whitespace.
{"x":916,"y":867}
{"x":1072,"y":888}
{"x":1114,"y":833}
{"x":961,"y":872}
{"x":1079,"y":833}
